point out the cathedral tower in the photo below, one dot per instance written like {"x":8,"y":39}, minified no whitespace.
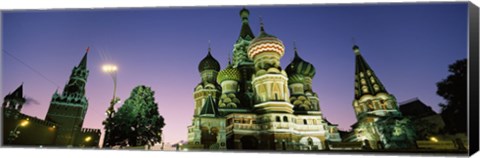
{"x":68,"y":109}
{"x":370,"y":94}
{"x":270,"y":82}
{"x":243,"y":63}
{"x":380,"y":124}
{"x":208,"y":69}
{"x":300,"y":74}
{"x":15,"y":100}
{"x":229,"y":100}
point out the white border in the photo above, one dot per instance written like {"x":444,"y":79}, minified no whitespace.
{"x":7,"y":5}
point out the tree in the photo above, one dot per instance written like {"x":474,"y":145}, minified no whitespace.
{"x":138,"y":121}
{"x":454,"y":90}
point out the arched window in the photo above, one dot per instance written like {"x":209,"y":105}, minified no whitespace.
{"x":285,"y":119}
{"x":310,"y":141}
{"x":277,"y":118}
{"x":304,"y":121}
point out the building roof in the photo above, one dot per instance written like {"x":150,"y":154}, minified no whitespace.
{"x":366,"y":82}
{"x":245,"y":32}
{"x":300,"y":66}
{"x":83,"y":63}
{"x":415,"y":108}
{"x":209,"y":63}
{"x":17,"y":94}
{"x":209,"y":108}
{"x":228,"y":73}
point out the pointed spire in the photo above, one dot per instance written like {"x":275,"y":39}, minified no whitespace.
{"x":371,"y":83}
{"x":18,"y":92}
{"x":83,"y":63}
{"x":245,"y":31}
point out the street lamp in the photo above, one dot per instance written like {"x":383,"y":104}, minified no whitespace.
{"x":88,"y":139}
{"x":14,"y":133}
{"x":112,"y":70}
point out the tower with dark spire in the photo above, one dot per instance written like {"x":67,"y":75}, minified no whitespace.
{"x":379,"y":121}
{"x":208,"y":86}
{"x":370,"y":94}
{"x":242,"y":62}
{"x":68,"y":109}
{"x":14,"y":100}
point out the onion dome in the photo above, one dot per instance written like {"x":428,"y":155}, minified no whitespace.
{"x":300,"y":67}
{"x":209,"y":63}
{"x":295,"y":78}
{"x":265,"y":43}
{"x":228,"y":73}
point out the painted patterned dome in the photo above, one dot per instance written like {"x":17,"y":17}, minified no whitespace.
{"x":300,"y":66}
{"x":265,"y":42}
{"x":296,"y":78}
{"x":209,"y":63}
{"x":229,"y":73}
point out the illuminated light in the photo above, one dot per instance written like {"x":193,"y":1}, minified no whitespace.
{"x":24,"y":123}
{"x":433,"y":139}
{"x":108,"y":68}
{"x":88,"y":139}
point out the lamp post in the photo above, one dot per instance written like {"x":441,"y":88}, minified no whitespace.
{"x":14,"y":133}
{"x":112,"y":70}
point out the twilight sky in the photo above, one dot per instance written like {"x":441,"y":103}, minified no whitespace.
{"x":409,"y":46}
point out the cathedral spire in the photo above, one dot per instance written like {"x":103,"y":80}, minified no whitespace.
{"x":83,"y":63}
{"x":366,"y":82}
{"x":245,"y":32}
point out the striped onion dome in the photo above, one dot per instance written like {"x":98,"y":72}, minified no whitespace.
{"x":300,"y":66}
{"x":228,"y":73}
{"x":265,"y":43}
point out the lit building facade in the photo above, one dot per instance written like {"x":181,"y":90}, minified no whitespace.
{"x":255,"y":104}
{"x":63,"y":124}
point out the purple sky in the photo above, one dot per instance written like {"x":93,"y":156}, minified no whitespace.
{"x":409,"y":46}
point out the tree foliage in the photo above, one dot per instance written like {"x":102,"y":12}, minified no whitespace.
{"x":138,"y":122}
{"x":454,"y":90}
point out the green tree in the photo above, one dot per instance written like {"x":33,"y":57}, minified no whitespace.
{"x":454,"y":90}
{"x":138,"y":121}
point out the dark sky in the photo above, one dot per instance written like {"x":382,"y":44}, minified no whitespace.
{"x":409,"y":46}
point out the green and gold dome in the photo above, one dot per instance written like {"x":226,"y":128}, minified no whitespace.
{"x":209,"y":63}
{"x":228,"y":73}
{"x":300,"y":67}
